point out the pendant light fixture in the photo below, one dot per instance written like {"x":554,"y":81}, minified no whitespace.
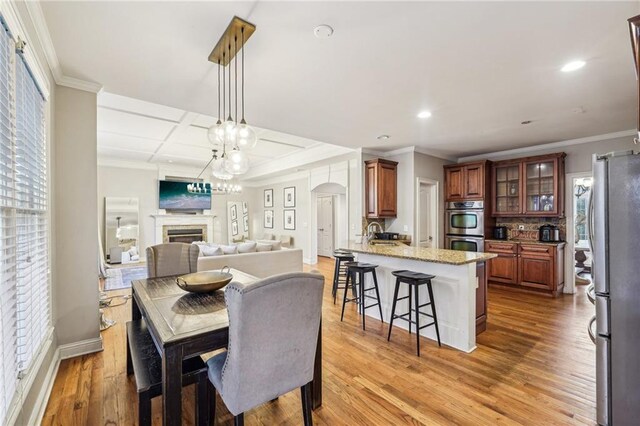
{"x":218,"y":170}
{"x":233,"y":137}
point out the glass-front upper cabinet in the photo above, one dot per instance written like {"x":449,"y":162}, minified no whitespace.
{"x":507,"y":187}
{"x":541,"y":189}
{"x":532,"y":186}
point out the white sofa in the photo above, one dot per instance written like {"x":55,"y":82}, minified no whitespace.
{"x":259,"y":264}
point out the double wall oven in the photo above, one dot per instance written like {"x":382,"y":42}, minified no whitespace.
{"x":465,"y":225}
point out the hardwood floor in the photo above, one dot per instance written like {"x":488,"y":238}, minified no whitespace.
{"x":534,"y":365}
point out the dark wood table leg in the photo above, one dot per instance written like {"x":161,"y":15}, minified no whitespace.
{"x":135,"y":315}
{"x":172,"y":386}
{"x":316,"y":384}
{"x":135,"y":310}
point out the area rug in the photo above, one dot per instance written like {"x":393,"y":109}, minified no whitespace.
{"x":119,"y":278}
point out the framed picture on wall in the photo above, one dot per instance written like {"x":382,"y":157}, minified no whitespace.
{"x":234,"y":212}
{"x":246,"y":224}
{"x":234,"y":228}
{"x":268,"y":197}
{"x":245,"y":208}
{"x":290,"y":196}
{"x":290,"y":219}
{"x":268,"y":219}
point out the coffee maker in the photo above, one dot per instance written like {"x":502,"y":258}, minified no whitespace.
{"x":549,"y":233}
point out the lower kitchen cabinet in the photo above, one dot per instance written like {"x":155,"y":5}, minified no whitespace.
{"x":532,"y":266}
{"x":481,"y":297}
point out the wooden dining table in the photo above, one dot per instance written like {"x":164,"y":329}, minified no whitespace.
{"x":184,"y":325}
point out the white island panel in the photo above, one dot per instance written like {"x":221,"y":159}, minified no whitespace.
{"x":454,"y":291}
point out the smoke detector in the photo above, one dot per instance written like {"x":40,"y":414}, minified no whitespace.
{"x":323,"y":31}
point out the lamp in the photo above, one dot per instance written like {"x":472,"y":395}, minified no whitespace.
{"x":229,"y":132}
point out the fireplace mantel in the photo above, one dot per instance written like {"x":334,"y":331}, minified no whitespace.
{"x":182,"y":219}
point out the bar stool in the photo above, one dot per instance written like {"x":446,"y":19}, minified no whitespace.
{"x":415,"y":280}
{"x":340,"y":272}
{"x":359,"y":269}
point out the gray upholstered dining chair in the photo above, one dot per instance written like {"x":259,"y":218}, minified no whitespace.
{"x":168,"y":259}
{"x":273,"y":332}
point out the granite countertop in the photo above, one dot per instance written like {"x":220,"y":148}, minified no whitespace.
{"x":449,"y":257}
{"x":516,"y":240}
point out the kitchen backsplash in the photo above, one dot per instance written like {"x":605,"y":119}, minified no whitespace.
{"x":531,"y":226}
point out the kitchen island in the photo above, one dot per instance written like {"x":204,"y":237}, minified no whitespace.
{"x":454,"y":286}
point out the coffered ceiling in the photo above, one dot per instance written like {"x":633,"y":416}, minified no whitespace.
{"x":138,"y":131}
{"x":481,"y":68}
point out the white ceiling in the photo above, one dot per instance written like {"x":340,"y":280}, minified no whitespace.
{"x":139,"y":131}
{"x":480,"y":67}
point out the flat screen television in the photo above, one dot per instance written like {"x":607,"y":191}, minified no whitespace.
{"x":174,"y":196}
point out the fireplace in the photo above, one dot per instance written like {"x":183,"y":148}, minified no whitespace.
{"x":184,"y":233}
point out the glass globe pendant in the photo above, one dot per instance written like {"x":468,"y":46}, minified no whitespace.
{"x":218,"y":167}
{"x":229,"y":131}
{"x":215,"y":134}
{"x":237,"y":162}
{"x":245,"y":136}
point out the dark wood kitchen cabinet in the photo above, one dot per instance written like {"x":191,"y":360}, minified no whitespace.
{"x":381,"y":192}
{"x":527,"y":265}
{"x":466,"y":181}
{"x":529,"y":187}
{"x":503,"y":268}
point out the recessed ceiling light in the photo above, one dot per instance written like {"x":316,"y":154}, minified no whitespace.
{"x":323,"y":31}
{"x":572,"y":66}
{"x":383,"y":137}
{"x":171,"y":161}
{"x":424,"y":114}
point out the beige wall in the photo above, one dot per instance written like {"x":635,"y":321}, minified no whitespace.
{"x":126,"y":182}
{"x":406,"y":195}
{"x":301,"y":233}
{"x":427,"y":166}
{"x":76,"y":223}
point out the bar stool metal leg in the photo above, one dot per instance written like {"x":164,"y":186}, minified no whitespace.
{"x":393,"y":308}
{"x":375,"y":284}
{"x":433,"y":308}
{"x":336,"y":275}
{"x":417,"y":301}
{"x":344,"y":297}
{"x":410,"y":304}
{"x":362,"y":298}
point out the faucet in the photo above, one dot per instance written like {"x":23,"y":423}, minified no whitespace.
{"x":370,"y":233}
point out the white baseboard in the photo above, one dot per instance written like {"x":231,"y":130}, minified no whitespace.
{"x":69,"y":350}
{"x":45,"y":392}
{"x":82,"y":347}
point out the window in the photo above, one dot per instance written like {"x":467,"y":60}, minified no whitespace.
{"x":24,"y":236}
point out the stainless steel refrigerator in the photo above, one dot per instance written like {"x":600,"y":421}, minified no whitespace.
{"x":615,"y":244}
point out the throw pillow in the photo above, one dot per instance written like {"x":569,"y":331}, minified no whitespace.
{"x":210,"y":251}
{"x":263,"y":247}
{"x":229,"y":249}
{"x":247,"y":247}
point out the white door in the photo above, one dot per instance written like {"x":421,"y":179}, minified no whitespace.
{"x":325,"y":226}
{"x":425,"y":239}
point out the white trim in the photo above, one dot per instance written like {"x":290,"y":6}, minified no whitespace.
{"x":83,"y":347}
{"x":45,"y":391}
{"x":569,"y":262}
{"x":412,"y":148}
{"x":547,"y":146}
{"x":126,"y":164}
{"x":435,"y":216}
{"x":308,"y":261}
{"x":44,"y":38}
{"x":76,"y":83}
{"x":275,"y":180}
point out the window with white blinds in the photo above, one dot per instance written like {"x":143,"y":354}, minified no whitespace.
{"x":24,"y":234}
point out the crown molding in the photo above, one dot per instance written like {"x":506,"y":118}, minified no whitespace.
{"x":546,"y":146}
{"x":44,"y":37}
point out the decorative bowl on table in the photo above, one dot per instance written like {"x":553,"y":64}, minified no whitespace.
{"x":205,"y":281}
